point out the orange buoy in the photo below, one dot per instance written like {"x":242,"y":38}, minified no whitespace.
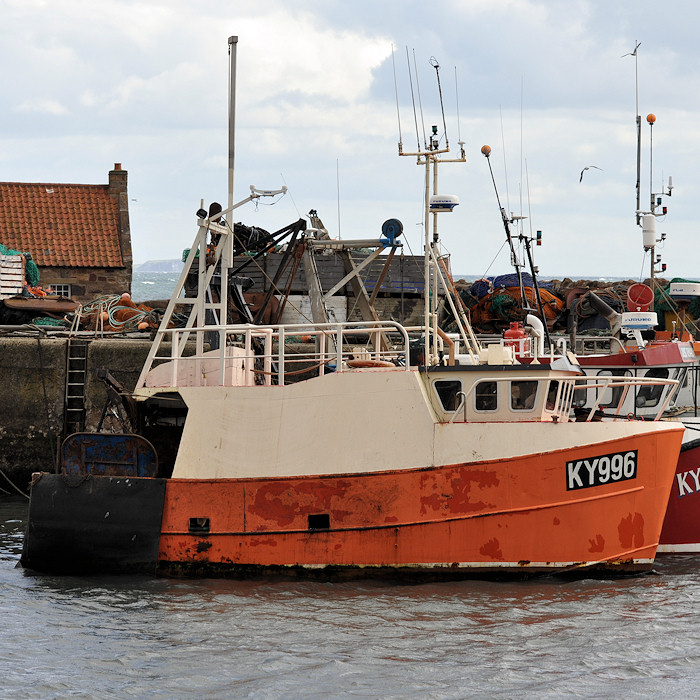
{"x":368,"y":363}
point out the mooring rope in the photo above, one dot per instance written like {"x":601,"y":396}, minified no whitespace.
{"x":16,"y":488}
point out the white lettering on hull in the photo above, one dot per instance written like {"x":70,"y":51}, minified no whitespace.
{"x":684,"y":486}
{"x":620,"y":466}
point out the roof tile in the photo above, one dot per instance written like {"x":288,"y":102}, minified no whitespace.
{"x":61,"y":225}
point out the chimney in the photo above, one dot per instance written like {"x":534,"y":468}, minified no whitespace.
{"x":117,"y":180}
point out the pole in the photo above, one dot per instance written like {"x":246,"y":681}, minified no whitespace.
{"x":227,"y":252}
{"x":426,"y":264}
{"x":232,"y":45}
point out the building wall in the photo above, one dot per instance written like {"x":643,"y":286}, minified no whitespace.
{"x":118,"y":190}
{"x":88,"y":283}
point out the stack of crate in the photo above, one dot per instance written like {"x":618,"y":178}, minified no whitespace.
{"x":11,"y":275}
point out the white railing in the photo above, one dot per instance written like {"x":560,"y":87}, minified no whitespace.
{"x":249,"y":354}
{"x":625,"y":383}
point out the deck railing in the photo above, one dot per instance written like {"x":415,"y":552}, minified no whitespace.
{"x":247,"y":354}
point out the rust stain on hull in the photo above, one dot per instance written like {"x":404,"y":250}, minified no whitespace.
{"x":631,"y":531}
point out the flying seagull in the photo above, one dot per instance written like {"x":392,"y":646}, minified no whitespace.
{"x":637,"y":44}
{"x":587,"y":168}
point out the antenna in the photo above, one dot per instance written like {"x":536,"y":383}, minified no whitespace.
{"x":413,"y":100}
{"x":638,"y":118}
{"x":486,"y":151}
{"x":433,"y":62}
{"x":396,"y":90}
{"x":430,"y":157}
{"x":505,"y":163}
{"x":534,"y":270}
{"x":459,"y":131}
{"x":420,"y":101}
{"x":337,"y":186}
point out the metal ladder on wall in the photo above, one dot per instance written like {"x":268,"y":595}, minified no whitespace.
{"x":76,"y":370}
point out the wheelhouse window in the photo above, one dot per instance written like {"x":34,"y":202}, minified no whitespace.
{"x":448,"y":392}
{"x":486,"y":396}
{"x":523,"y":395}
{"x":681,"y":376}
{"x":580,"y":397}
{"x":552,"y":391}
{"x":611,"y":396}
{"x":649,"y":396}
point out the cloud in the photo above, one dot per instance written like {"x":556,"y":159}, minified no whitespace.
{"x":42,"y":106}
{"x":540,"y":81}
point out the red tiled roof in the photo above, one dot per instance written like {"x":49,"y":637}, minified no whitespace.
{"x":61,"y":225}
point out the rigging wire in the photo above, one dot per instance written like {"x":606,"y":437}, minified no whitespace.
{"x":527,"y":189}
{"x":498,"y":252}
{"x":522,"y":79}
{"x":337,"y":187}
{"x":413,"y":97}
{"x":505,"y":163}
{"x":420,"y":101}
{"x":290,"y":195}
{"x":396,"y":90}
{"x":459,"y":131}
{"x":644,"y":262}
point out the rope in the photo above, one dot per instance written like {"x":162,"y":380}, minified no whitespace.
{"x":109,"y":304}
{"x":7,"y":478}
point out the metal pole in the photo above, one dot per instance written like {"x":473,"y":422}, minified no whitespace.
{"x":426,"y":264}
{"x":232,"y":45}
{"x":434,"y":249}
{"x":227,"y":252}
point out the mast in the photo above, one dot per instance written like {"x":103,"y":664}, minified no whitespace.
{"x":434,"y":204}
{"x":638,"y":120}
{"x":232,"y":46}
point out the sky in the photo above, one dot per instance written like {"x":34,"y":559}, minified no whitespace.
{"x":545,"y":83}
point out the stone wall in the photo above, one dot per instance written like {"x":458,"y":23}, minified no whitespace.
{"x":88,"y":283}
{"x":32,"y":391}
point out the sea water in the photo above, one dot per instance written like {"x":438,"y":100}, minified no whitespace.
{"x":153,"y":286}
{"x":159,"y":285}
{"x":142,"y":637}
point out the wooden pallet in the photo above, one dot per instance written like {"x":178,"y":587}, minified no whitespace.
{"x":11,"y":275}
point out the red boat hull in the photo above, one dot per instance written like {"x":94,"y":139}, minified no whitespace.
{"x":681,"y":528}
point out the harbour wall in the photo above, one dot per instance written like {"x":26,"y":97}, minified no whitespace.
{"x":33,"y":393}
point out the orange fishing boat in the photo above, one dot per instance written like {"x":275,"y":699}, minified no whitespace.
{"x":379,"y":459}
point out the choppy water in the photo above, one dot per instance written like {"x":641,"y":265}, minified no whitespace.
{"x":139,"y":637}
{"x":151,"y":286}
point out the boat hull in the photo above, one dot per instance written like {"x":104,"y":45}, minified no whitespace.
{"x":93,"y":524}
{"x":519,"y":517}
{"x":681,"y":528}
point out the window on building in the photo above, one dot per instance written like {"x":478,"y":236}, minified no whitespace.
{"x":62,"y":290}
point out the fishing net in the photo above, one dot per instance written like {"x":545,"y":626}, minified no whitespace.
{"x":49,"y":321}
{"x":506,"y":307}
{"x":31,"y":271}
